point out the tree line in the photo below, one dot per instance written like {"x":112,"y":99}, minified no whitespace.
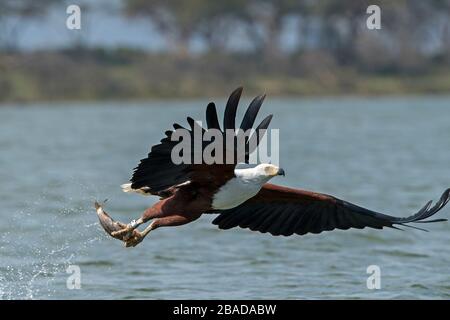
{"x":410,"y":28}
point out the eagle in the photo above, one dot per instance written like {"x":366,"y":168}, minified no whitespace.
{"x":240,"y":196}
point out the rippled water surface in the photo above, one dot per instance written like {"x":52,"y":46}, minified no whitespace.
{"x":390,"y":154}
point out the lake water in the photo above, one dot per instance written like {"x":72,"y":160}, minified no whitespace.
{"x":388,"y":154}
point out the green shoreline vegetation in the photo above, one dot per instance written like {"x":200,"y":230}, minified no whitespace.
{"x":84,"y":75}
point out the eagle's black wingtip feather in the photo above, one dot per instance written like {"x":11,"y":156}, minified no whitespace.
{"x":397,"y":228}
{"x":211,"y":116}
{"x":426,"y":212}
{"x":231,"y":108}
{"x":252,"y":112}
{"x":238,"y":90}
{"x":413,"y":227}
{"x":434,"y":220}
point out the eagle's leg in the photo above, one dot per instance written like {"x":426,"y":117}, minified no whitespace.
{"x":138,"y":236}
{"x":168,"y":221}
{"x":130,"y":231}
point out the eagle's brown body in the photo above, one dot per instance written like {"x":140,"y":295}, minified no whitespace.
{"x":183,"y":206}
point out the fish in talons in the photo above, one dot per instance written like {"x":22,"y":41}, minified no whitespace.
{"x":119,"y":230}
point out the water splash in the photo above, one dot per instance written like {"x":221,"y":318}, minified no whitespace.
{"x":36,"y":265}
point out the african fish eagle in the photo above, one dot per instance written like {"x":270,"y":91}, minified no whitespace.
{"x":240,"y":196}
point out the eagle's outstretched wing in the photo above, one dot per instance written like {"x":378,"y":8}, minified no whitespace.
{"x":285,"y":211}
{"x":158,"y":172}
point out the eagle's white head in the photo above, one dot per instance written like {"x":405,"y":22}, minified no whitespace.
{"x":261,"y":173}
{"x":269,"y":170}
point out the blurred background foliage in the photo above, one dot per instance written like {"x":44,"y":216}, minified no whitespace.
{"x":285,"y":47}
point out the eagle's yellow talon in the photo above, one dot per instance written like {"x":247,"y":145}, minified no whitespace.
{"x":134,"y":240}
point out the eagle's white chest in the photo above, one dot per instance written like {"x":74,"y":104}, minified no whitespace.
{"x":238,"y":190}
